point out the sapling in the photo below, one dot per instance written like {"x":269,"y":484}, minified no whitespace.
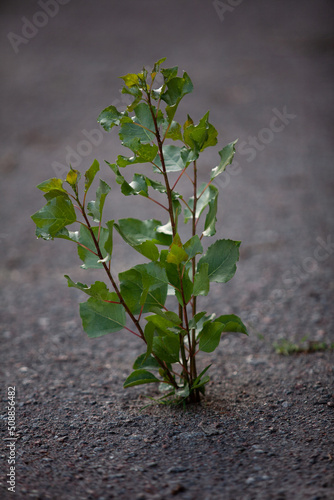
{"x":173,"y":331}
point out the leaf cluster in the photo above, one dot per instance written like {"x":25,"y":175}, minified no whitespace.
{"x":173,"y":267}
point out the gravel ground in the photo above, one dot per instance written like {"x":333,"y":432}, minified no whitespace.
{"x":265,"y":428}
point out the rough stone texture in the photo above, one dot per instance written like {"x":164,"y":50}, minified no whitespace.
{"x":265,"y":429}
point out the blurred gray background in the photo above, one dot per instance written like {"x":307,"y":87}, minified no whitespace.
{"x":250,"y":62}
{"x":264,"y":70}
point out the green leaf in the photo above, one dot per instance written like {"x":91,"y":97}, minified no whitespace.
{"x":189,"y":121}
{"x":226,"y":158}
{"x":208,"y":197}
{"x":210,"y":220}
{"x":200,"y":136}
{"x":53,"y":193}
{"x":157,"y":64}
{"x":222,"y":257}
{"x":136,"y":93}
{"x":166,"y":229}
{"x":90,"y":174}
{"x":209,"y":337}
{"x":201,"y":282}
{"x":90,"y":260}
{"x":198,"y":379}
{"x":136,"y":231}
{"x":161,"y":322}
{"x":164,"y":387}
{"x":99,"y":318}
{"x":109,"y":117}
{"x":68,"y":235}
{"x":154,"y":273}
{"x":139,"y":377}
{"x":174,"y":279}
{"x":174,"y":131}
{"x":98,"y":290}
{"x":146,"y":362}
{"x":168,"y":315}
{"x":176,"y":158}
{"x":211,"y":138}
{"x":169,"y":73}
{"x":144,"y":153}
{"x":177,"y":209}
{"x":139,"y":185}
{"x":232,"y":323}
{"x":73,"y":178}
{"x":196,"y":319}
{"x":158,"y":186}
{"x":183,"y":392}
{"x":132,"y":288}
{"x":193,"y":247}
{"x":131,"y":79}
{"x":149,"y":250}
{"x":177,"y":88}
{"x":139,"y":128}
{"x":52,"y":184}
{"x":176,"y":253}
{"x":53,"y":217}
{"x":145,"y":281}
{"x":201,"y":382}
{"x":126,"y":189}
{"x":201,"y":322}
{"x":149,"y":334}
{"x":95,"y":208}
{"x":108,"y":246}
{"x":167,"y":348}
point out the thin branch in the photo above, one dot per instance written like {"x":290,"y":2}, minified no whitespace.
{"x":131,"y":331}
{"x":78,"y":208}
{"x":84,"y":199}
{"x":187,"y":205}
{"x":164,"y":137}
{"x":184,"y":171}
{"x":99,"y":231}
{"x":206,"y":187}
{"x":82,"y":223}
{"x":143,"y":126}
{"x":157,"y":202}
{"x":194,"y":303}
{"x":141,"y":310}
{"x":164,"y":170}
{"x":157,"y":166}
{"x":86,"y":248}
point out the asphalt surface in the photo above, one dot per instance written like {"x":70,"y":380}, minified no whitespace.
{"x":264,"y":70}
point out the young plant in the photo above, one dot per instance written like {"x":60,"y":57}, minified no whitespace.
{"x":173,"y":335}
{"x":286,"y":347}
